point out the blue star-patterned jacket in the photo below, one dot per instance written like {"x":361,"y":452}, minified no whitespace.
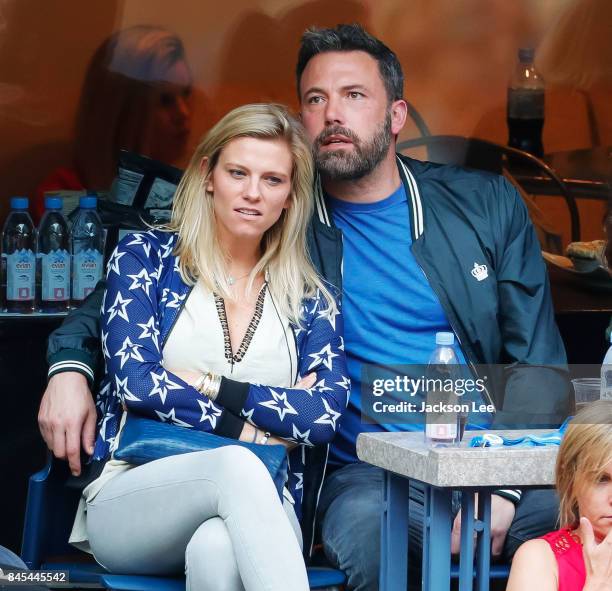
{"x":144,"y":297}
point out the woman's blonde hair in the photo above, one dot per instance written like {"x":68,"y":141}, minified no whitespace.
{"x":291,"y":276}
{"x":585,"y":452}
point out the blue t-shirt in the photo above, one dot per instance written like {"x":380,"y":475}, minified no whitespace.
{"x":391,"y":314}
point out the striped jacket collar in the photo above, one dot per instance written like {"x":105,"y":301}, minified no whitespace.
{"x":323,"y":211}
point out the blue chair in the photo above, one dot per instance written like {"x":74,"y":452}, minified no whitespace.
{"x":50,"y":511}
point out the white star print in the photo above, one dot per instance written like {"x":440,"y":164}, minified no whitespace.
{"x":129,"y":351}
{"x":167,"y":248}
{"x":330,"y":316}
{"x":176,"y":300}
{"x":141,"y":280}
{"x":345,"y":383}
{"x":171,"y":416}
{"x":114,"y":309}
{"x":320,"y":385}
{"x":248,"y":415}
{"x":210,"y":412}
{"x":113,"y":263}
{"x":138,"y":239}
{"x":107,"y":418}
{"x":328,"y":418}
{"x":105,"y":352}
{"x":273,"y":404}
{"x":122,"y":390}
{"x":301,"y":437}
{"x":162,"y":383}
{"x":150,"y":331}
{"x":324,"y":356}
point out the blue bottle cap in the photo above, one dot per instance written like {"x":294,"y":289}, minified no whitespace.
{"x":53,"y":202}
{"x":526,"y":54}
{"x":445,"y":338}
{"x":88,"y":202}
{"x":19,"y":203}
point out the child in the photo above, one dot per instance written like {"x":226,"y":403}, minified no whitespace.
{"x":579,"y":555}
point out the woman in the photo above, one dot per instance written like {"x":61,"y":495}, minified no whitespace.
{"x":194,"y":320}
{"x":579,"y":555}
{"x":136,"y":96}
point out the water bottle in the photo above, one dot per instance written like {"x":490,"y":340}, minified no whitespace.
{"x":525,"y":111}
{"x":605,"y":392}
{"x":53,"y":259}
{"x":442,"y":416}
{"x":87,"y":247}
{"x":18,"y":270}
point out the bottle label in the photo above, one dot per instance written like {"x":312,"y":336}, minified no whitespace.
{"x":55,"y":267}
{"x":525,"y":103}
{"x":86,"y":272}
{"x":441,"y":416}
{"x":441,"y":432}
{"x":20,"y":275}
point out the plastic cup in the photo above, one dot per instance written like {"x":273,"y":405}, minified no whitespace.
{"x":586,"y":390}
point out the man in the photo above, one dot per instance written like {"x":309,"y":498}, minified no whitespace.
{"x":408,"y":235}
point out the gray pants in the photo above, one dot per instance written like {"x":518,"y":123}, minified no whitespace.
{"x":214,"y":514}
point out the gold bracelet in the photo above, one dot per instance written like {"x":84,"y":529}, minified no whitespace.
{"x":211,"y":389}
{"x":199,"y":382}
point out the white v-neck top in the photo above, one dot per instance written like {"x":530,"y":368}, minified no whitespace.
{"x":196,"y":343}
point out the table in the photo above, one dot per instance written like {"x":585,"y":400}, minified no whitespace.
{"x":405,"y":456}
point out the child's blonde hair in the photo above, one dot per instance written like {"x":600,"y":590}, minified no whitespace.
{"x":585,"y":452}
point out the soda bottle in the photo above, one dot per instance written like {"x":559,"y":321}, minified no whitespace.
{"x":18,"y":270}
{"x":53,"y":258}
{"x":443,"y":417}
{"x":525,"y":110}
{"x":87,"y":247}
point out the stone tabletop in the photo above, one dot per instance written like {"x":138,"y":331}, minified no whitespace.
{"x":407,"y":454}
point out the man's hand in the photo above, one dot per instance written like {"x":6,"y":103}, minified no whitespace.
{"x":67,"y":418}
{"x":502,"y":514}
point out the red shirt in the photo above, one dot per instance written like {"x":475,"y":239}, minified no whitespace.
{"x":568,"y":552}
{"x":60,"y":178}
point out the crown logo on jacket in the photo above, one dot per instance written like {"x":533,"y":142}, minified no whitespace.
{"x":480,"y":272}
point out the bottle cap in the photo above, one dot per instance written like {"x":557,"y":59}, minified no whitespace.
{"x":526,"y":54}
{"x":88,"y":202}
{"x":445,"y":338}
{"x":53,"y":202}
{"x":19,"y":203}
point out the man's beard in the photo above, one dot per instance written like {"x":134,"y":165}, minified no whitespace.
{"x":342,"y":165}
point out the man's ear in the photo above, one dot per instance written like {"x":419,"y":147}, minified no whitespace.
{"x":399,"y":112}
{"x":204,"y":172}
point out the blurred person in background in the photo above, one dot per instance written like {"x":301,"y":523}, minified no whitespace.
{"x":137,"y":97}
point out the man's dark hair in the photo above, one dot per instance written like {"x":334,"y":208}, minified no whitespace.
{"x":352,"y":38}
